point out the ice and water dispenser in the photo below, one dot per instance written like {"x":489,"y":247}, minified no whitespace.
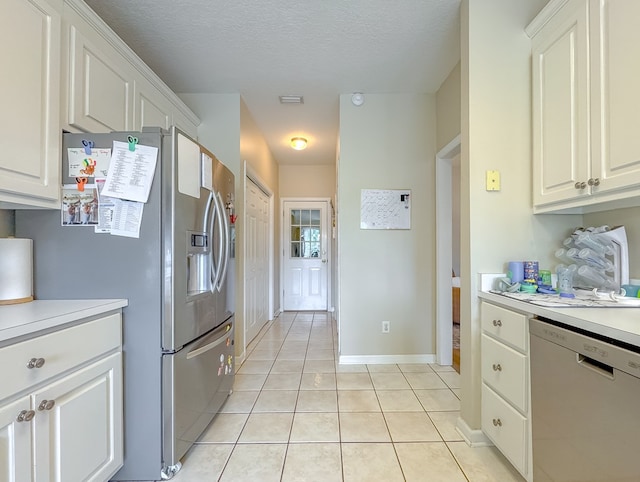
{"x":198,"y":263}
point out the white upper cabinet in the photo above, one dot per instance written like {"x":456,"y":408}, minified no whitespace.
{"x":108,"y":87}
{"x":30,"y":100}
{"x":560,"y":63}
{"x":99,"y":81}
{"x":586,"y":106}
{"x":615,"y":100}
{"x":151,"y":108}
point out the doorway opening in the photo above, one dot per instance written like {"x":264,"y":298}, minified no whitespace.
{"x":448,"y":254}
{"x":306,"y":255}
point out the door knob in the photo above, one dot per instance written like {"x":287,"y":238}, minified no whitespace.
{"x":324,"y":260}
{"x":580,"y":185}
{"x":594,"y":181}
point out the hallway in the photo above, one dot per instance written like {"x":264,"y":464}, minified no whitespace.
{"x":295,"y":415}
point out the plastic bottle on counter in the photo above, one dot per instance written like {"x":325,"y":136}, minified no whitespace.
{"x":586,"y":240}
{"x":592,"y":259}
{"x":597,"y":278}
{"x":565,"y":280}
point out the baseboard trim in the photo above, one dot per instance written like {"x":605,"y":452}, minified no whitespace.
{"x":384,"y":359}
{"x":473,"y":437}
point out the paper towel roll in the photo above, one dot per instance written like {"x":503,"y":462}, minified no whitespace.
{"x":16,"y":270}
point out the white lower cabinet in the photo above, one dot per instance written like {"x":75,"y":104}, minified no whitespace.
{"x":506,"y":406}
{"x":64,"y":425}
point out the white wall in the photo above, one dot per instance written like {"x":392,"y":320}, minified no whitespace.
{"x":448,"y":109}
{"x":308,"y":181}
{"x":388,"y":143}
{"x":496,"y":135}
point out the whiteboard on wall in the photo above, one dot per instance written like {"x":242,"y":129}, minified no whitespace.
{"x":385,"y":209}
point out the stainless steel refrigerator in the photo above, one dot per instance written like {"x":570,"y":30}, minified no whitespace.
{"x":178,"y":275}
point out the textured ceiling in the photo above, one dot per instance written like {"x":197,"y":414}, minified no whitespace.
{"x":319,"y":49}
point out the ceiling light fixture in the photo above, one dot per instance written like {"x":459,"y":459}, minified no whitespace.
{"x":298,"y":143}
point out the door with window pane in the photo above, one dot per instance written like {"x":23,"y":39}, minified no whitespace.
{"x":305,"y":255}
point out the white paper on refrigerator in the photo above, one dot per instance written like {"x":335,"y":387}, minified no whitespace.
{"x":127,"y":218}
{"x":131,"y":172}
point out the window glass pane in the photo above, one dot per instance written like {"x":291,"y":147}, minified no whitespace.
{"x":315,"y":217}
{"x":305,"y":233}
{"x":295,"y":217}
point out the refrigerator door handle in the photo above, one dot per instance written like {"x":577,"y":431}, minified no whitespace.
{"x":224,"y":252}
{"x":211,"y":341}
{"x":215,"y":257}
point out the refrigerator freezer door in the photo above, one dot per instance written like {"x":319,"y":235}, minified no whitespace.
{"x":189,"y":308}
{"x":196,"y":382}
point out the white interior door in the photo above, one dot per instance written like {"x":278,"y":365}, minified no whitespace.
{"x":305,"y":260}
{"x":256,"y":261}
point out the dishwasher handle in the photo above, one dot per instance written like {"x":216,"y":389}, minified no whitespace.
{"x":595,"y":366}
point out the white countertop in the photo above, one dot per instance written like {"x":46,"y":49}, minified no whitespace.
{"x":621,"y":324}
{"x":25,"y":319}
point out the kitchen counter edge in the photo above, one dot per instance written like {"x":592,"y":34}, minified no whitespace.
{"x":622,"y":324}
{"x":26,"y":320}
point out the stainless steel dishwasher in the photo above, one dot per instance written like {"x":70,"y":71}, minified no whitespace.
{"x":585,"y":402}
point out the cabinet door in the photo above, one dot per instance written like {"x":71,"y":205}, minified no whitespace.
{"x":78,"y":424}
{"x":152,"y":109}
{"x":100,"y":85}
{"x":15,"y":442}
{"x":560,"y":106}
{"x":616,"y":96}
{"x":30,"y":100}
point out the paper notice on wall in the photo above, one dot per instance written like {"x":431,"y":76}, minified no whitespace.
{"x":131,"y":172}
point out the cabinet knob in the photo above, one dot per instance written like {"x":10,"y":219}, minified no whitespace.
{"x":46,"y":405}
{"x":594,"y":181}
{"x":26,"y":416}
{"x":497,"y":367}
{"x":497,"y":422}
{"x":35,"y":363}
{"x":580,"y":185}
{"x":497,"y":322}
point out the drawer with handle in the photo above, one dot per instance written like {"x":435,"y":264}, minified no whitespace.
{"x":505,"y":370}
{"x":504,"y":324}
{"x":506,"y":428}
{"x":28,"y":363}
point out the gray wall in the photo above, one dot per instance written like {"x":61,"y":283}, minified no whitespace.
{"x":7,"y":223}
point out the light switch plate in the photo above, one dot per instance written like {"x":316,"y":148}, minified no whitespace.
{"x":493,"y":180}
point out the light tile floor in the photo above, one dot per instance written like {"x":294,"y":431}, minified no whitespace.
{"x":296,"y":415}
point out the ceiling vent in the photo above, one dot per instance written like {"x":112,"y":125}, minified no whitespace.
{"x":291,"y":99}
